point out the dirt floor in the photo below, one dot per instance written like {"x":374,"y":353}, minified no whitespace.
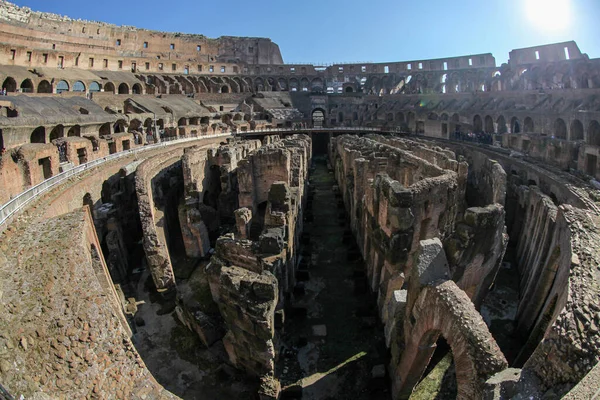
{"x":332,"y":337}
{"x":176,"y":357}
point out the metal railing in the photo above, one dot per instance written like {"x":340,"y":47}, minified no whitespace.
{"x":18,"y":202}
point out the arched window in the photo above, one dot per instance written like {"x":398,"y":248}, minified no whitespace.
{"x":594,"y":133}
{"x":62,"y":86}
{"x":123,"y":88}
{"x":560,"y":129}
{"x":44,"y":87}
{"x":136,"y":89}
{"x":78,"y":87}
{"x":109,"y":87}
{"x":528,"y":126}
{"x":94,"y":87}
{"x":576,"y":130}
{"x":38,"y":135}
{"x":27,"y":86}
{"x":10,"y":85}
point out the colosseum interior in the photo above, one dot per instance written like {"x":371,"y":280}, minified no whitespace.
{"x":186,"y":217}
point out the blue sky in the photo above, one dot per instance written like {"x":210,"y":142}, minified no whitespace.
{"x":325,"y":31}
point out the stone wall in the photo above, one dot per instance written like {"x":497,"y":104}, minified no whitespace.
{"x":72,"y":339}
{"x":253,"y":268}
{"x":401,"y":195}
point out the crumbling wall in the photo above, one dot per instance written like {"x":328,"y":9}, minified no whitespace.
{"x":155,"y":247}
{"x":570,"y":316}
{"x":398,"y":201}
{"x":254,"y":267}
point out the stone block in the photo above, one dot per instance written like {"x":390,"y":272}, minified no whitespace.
{"x":432,"y":264}
{"x":271,"y":242}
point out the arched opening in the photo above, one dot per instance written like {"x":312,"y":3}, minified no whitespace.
{"x":120,"y":126}
{"x":27,"y":86}
{"x":477,"y":124}
{"x":1,"y":143}
{"x":38,"y":135}
{"x":57,"y":132}
{"x":489,"y":124}
{"x":340,"y":117}
{"x":10,"y":85}
{"x":104,"y":129}
{"x":88,"y":201}
{"x":136,"y":89}
{"x":515,"y":125}
{"x":182,"y":122}
{"x":318,"y":118}
{"x":78,"y":87}
{"x":44,"y":87}
{"x":317,"y":85}
{"x":502,"y":128}
{"x":123,"y":88}
{"x":441,"y":370}
{"x":594,"y":133}
{"x":109,"y":87}
{"x":62,"y":86}
{"x":576,"y":130}
{"x":224,"y":89}
{"x":94,"y":87}
{"x":560,"y":129}
{"x":528,"y":125}
{"x":411,"y":121}
{"x":74,"y":131}
{"x":349,"y":89}
{"x":135,"y":125}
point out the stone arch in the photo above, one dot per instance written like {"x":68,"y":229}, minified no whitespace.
{"x":123,"y":88}
{"x":135,"y":125}
{"x":488,"y":124}
{"x":75,"y":130}
{"x":26,"y":86}
{"x":38,"y":135}
{"x":10,"y":85}
{"x":576,"y":130}
{"x":136,"y":89}
{"x":528,"y":125}
{"x":104,"y":129}
{"x":316,"y":85}
{"x":501,"y":123}
{"x":120,"y":126}
{"x":79,"y":86}
{"x":62,"y":86}
{"x":477,"y":124}
{"x":109,"y":87}
{"x":560,"y":129}
{"x":593,"y":136}
{"x":44,"y":87}
{"x":444,"y":309}
{"x":224,"y":89}
{"x":515,"y":125}
{"x":57,"y":132}
{"x":94,"y":87}
{"x":318,"y":117}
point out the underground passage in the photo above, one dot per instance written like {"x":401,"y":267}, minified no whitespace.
{"x":183,"y":217}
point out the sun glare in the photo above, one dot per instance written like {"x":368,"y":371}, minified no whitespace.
{"x":549,"y":15}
